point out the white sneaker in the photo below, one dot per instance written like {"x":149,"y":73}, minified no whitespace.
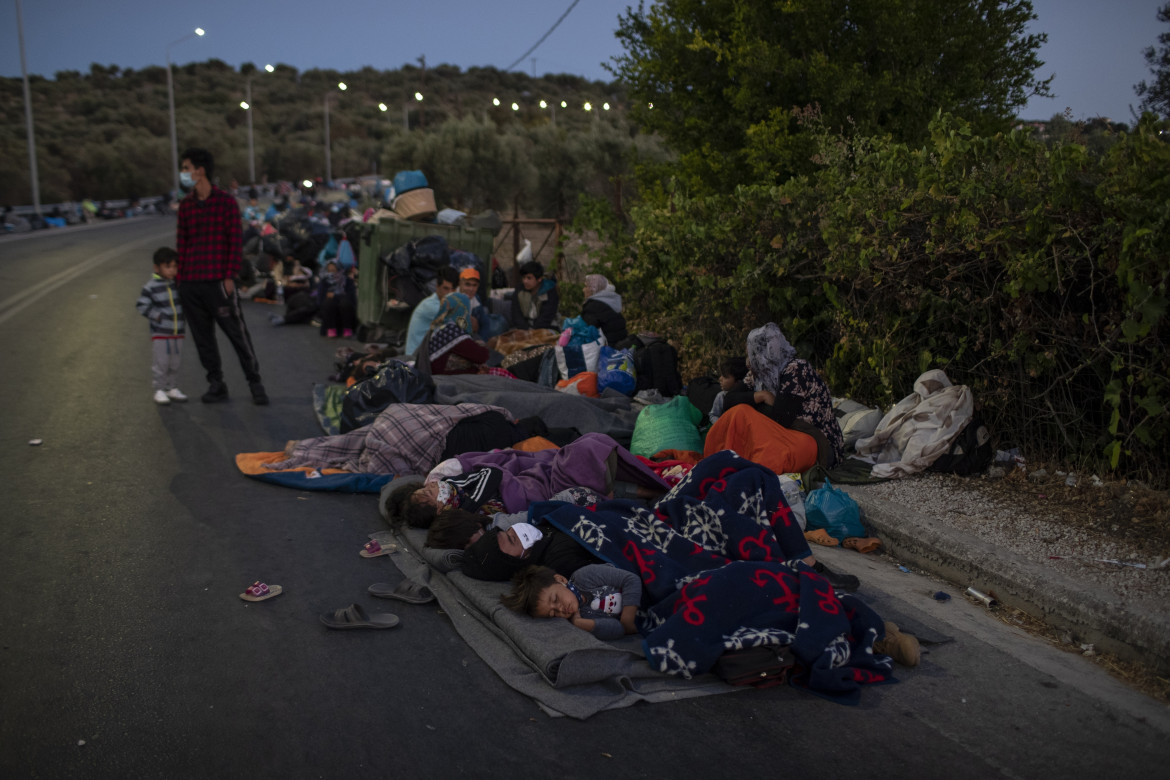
{"x":160,"y":398}
{"x":175,"y":394}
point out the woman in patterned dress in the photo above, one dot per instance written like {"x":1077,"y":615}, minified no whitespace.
{"x":786,"y":421}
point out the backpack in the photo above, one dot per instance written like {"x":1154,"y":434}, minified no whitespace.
{"x":969,"y":453}
{"x":656,"y":367}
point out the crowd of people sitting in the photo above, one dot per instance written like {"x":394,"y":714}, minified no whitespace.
{"x":488,"y":484}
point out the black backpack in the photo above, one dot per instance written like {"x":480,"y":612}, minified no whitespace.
{"x":970,"y":452}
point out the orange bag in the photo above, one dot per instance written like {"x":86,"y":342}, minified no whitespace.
{"x":584,"y":383}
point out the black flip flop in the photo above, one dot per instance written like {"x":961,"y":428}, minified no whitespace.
{"x":408,"y":590}
{"x":354,"y":616}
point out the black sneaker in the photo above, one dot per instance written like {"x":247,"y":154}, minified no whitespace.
{"x":259,"y":397}
{"x":216,"y":393}
{"x":845,"y":583}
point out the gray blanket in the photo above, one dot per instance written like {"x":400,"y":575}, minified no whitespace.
{"x":564,"y":669}
{"x":614,"y":416}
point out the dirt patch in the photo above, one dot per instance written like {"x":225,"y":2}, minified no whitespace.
{"x":1122,"y":511}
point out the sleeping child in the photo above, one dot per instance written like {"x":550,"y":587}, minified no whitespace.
{"x":599,"y":598}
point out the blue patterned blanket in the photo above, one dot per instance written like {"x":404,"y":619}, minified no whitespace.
{"x":720,"y":562}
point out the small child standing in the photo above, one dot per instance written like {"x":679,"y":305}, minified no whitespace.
{"x":732,"y":371}
{"x":337,"y":296}
{"x":159,"y":303}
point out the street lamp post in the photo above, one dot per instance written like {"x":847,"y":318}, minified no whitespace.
{"x":28,"y":119}
{"x":247,"y":106}
{"x":171,"y":102}
{"x":328,"y":155}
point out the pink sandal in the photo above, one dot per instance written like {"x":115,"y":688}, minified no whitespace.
{"x":259,"y":591}
{"x":373,"y":549}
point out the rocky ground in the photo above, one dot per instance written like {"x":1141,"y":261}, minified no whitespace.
{"x":1114,"y":534}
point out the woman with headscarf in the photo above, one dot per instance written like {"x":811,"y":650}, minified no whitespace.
{"x":786,"y":421}
{"x":450,"y":345}
{"x":603,"y":309}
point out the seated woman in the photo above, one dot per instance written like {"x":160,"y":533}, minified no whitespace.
{"x":786,"y":423}
{"x":450,"y":346}
{"x":597,"y":598}
{"x":603,"y":309}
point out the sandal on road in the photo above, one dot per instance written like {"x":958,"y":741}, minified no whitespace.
{"x":408,"y":590}
{"x":373,"y":549}
{"x":354,"y":616}
{"x":259,"y":591}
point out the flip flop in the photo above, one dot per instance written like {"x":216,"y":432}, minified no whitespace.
{"x":866,"y":544}
{"x":408,"y":590}
{"x":259,"y":591}
{"x":821,"y":537}
{"x":354,"y":616}
{"x":373,"y":549}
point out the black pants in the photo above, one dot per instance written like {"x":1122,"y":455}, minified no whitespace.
{"x":338,"y":313}
{"x":205,"y":304}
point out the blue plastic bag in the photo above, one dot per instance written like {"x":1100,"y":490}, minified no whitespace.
{"x":345,"y":255}
{"x":405,"y":181}
{"x":583,"y":332}
{"x":835,"y":511}
{"x":615,"y":369}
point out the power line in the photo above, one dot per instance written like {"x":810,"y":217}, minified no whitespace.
{"x":520,"y":59}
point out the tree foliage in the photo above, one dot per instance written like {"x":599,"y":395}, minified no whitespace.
{"x":1037,"y":275}
{"x":1155,"y":95}
{"x":719,"y":79}
{"x":105,"y":134}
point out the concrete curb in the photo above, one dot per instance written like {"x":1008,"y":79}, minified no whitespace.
{"x":1091,"y":615}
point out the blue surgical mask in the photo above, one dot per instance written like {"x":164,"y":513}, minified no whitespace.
{"x":186,"y":180}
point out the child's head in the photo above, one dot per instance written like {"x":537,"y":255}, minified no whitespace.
{"x":732,"y":370}
{"x":166,"y":262}
{"x":540,"y":592}
{"x":331,"y":267}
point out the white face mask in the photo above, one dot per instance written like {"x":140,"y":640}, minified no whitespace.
{"x":186,"y":180}
{"x":446,"y":496}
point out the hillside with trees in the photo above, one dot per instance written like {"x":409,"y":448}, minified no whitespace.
{"x":105,"y":134}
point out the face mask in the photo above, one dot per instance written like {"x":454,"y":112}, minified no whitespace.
{"x":446,"y":495}
{"x":186,"y":180}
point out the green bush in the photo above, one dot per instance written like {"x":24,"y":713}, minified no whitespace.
{"x":1036,"y":275}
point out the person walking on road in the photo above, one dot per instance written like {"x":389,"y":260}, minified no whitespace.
{"x":210,"y":254}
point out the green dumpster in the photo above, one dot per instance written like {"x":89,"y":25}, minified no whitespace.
{"x":388,"y":235}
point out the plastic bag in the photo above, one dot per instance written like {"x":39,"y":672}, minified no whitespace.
{"x":584,"y":383}
{"x":835,"y":511}
{"x":615,"y":369}
{"x":581,"y":332}
{"x":395,"y":383}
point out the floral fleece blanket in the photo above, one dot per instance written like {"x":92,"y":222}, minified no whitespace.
{"x":719,"y":557}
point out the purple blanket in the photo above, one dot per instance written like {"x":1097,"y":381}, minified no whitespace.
{"x":530,"y":477}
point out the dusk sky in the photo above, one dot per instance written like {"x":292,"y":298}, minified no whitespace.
{"x":1094,"y":46}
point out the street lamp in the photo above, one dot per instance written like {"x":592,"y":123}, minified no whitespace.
{"x":199,"y":31}
{"x":328,"y":157}
{"x":246,"y":104}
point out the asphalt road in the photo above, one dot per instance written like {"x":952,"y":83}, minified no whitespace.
{"x":125,"y":651}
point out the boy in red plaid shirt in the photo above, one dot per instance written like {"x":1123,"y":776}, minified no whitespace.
{"x":208,"y":242}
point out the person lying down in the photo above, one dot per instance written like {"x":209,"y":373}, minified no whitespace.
{"x":598,"y":598}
